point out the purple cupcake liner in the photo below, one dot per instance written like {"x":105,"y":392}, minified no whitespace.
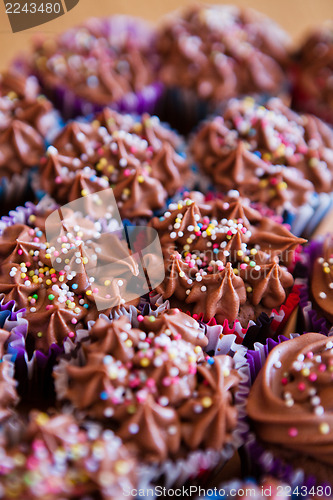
{"x":72,"y":106}
{"x":259,"y":461}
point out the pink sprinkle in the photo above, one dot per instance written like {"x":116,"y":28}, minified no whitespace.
{"x":150,"y":383}
{"x":140,"y":317}
{"x":133,"y":149}
{"x":292,"y":432}
{"x":95,"y":290}
{"x":33,"y":301}
{"x":191,"y":264}
{"x":273,"y":181}
{"x":284,"y":381}
{"x":58,"y":179}
{"x":61,"y":273}
{"x":243,"y":266}
{"x":64,"y":239}
{"x":71,"y":334}
{"x":127,"y":172}
{"x":100,"y":151}
{"x":312,"y":377}
{"x":49,"y":306}
{"x":198,"y":233}
{"x":28,"y":264}
{"x":166,"y":381}
{"x":20,"y":252}
{"x":36,"y":240}
{"x":56,"y":253}
{"x":309,"y":355}
{"x":322,"y":367}
{"x":74,"y":321}
{"x":301,"y":386}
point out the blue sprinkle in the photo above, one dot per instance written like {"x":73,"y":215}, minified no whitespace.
{"x":210,"y":361}
{"x":86,"y":306}
{"x":215,"y":250}
{"x":257,"y":153}
{"x":104,"y":395}
{"x":75,"y":286}
{"x":39,"y":234}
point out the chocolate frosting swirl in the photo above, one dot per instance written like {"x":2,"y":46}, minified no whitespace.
{"x":55,"y":458}
{"x":290,"y":401}
{"x":229,"y":263}
{"x":136,"y":158}
{"x":269,"y":154}
{"x":321,"y":279}
{"x":26,"y":119}
{"x":152,"y":385}
{"x":222,"y":51}
{"x":100,"y":61}
{"x":59,"y":301}
{"x":313,"y":73}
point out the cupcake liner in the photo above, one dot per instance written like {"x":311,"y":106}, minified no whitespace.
{"x":14,"y":190}
{"x":196,"y":463}
{"x":308,"y":216}
{"x":264,"y":327}
{"x":71,"y":106}
{"x":259,"y":460}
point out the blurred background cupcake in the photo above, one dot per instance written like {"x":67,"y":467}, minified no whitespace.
{"x":139,"y":157}
{"x":271,"y":155}
{"x":103,"y":62}
{"x":53,"y":456}
{"x":312,"y":73}
{"x":27,"y":122}
{"x":212,"y":53}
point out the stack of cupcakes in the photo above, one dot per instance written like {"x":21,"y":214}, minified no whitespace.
{"x":163,"y":320}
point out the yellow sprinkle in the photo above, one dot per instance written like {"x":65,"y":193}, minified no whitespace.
{"x":84,"y":192}
{"x":141,"y":179}
{"x":85,"y":260}
{"x":39,"y":334}
{"x":48,"y":282}
{"x":88,"y":292}
{"x":121,"y":467}
{"x":327,"y":270}
{"x":305,"y":372}
{"x":324,"y":428}
{"x":52,"y":271}
{"x":206,"y":402}
{"x":23,"y":275}
{"x":47,"y":256}
{"x":111,"y":169}
{"x":107,"y":282}
{"x":144,"y":362}
{"x":240,"y":253}
{"x":191,"y":359}
{"x":226,"y":372}
{"x":249,"y":289}
{"x":71,"y":305}
{"x":282,"y":186}
{"x":197,"y":349}
{"x":128,"y":343}
{"x":42,"y":419}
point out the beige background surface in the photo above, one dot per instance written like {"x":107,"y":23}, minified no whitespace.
{"x":296,"y":16}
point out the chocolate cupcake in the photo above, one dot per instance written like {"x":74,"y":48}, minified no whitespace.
{"x":289,"y":407}
{"x":225,"y":260}
{"x":317,"y":290}
{"x":28,"y":120}
{"x":52,"y":457}
{"x":212,"y":53}
{"x":271,"y":155}
{"x":136,"y":157}
{"x":105,"y":61}
{"x":157,"y":390}
{"x":313,"y":73}
{"x":63,"y":283}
